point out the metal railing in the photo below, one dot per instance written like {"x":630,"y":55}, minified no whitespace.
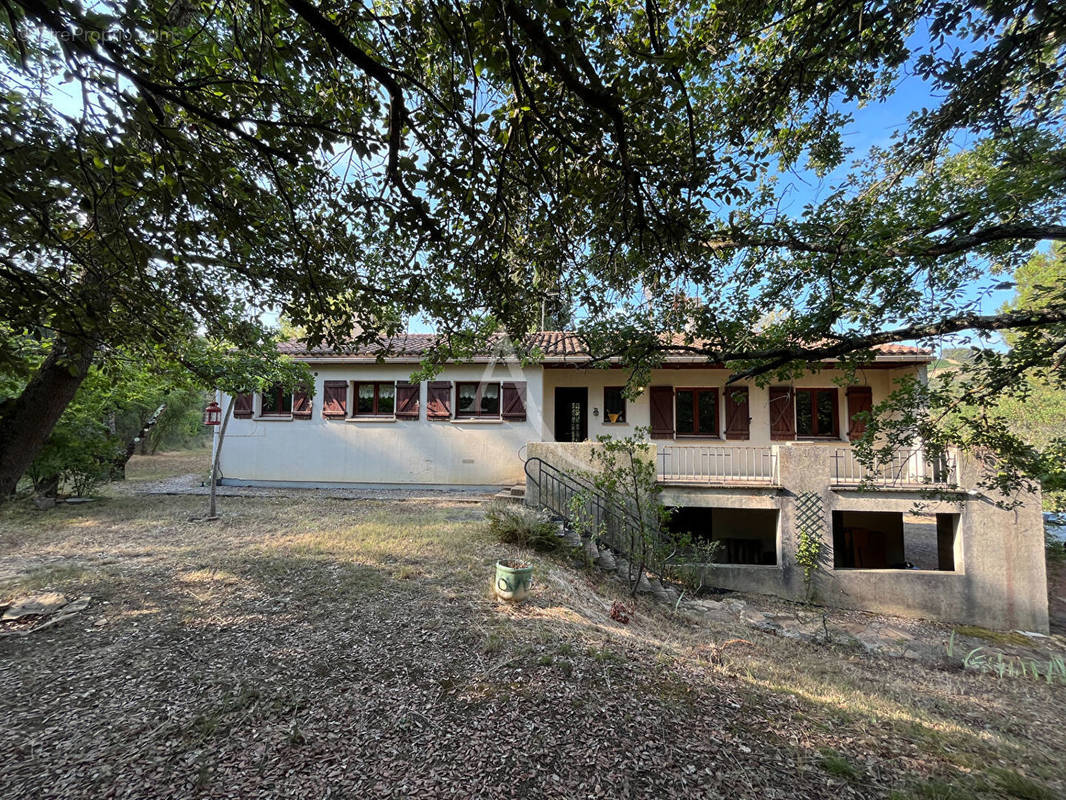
{"x":718,"y":464}
{"x":612,"y":524}
{"x":904,"y":468}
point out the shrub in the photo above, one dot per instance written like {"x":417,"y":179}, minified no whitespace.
{"x":523,"y":526}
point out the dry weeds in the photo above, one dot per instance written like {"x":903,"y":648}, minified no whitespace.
{"x":310,"y":647}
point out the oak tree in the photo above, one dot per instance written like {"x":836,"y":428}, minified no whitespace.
{"x":355,"y":164}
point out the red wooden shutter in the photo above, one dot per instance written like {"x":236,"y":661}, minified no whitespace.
{"x":439,"y":400}
{"x":407,"y":400}
{"x":860,"y":399}
{"x":301,"y":404}
{"x":335,"y":399}
{"x":514,"y":400}
{"x":662,"y":412}
{"x":242,"y":406}
{"x":736,"y":412}
{"x":782,"y":413}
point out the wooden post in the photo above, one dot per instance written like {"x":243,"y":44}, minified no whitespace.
{"x":218,"y":455}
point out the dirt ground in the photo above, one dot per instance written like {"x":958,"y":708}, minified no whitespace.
{"x":309,"y":646}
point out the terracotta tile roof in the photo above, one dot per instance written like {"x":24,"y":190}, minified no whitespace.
{"x":555,"y":345}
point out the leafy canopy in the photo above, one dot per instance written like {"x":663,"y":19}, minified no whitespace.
{"x":355,"y":164}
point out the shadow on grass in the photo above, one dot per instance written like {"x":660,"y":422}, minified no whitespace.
{"x":369,"y":635}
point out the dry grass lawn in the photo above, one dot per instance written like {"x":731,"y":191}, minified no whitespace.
{"x":316,"y":647}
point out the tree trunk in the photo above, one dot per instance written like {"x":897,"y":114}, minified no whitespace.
{"x":27,"y":421}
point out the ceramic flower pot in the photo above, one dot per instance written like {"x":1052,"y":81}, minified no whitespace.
{"x":513,"y":579}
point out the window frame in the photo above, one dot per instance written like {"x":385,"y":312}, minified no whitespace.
{"x":377,"y":394}
{"x":277,"y":391}
{"x":814,"y":391}
{"x":696,"y":432}
{"x":621,"y":398}
{"x":478,"y":413}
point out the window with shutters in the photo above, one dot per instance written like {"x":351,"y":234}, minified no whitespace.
{"x":276,"y":401}
{"x":242,"y":406}
{"x":439,"y":400}
{"x":407,"y":400}
{"x":614,"y":404}
{"x":737,"y":421}
{"x":335,"y":399}
{"x":816,"y":413}
{"x":662,"y":412}
{"x":697,"y":412}
{"x":301,"y":404}
{"x":782,"y":414}
{"x":860,"y":405}
{"x":513,"y":402}
{"x":376,"y":399}
{"x":477,"y":400}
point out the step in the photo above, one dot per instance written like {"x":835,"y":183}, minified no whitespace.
{"x":505,"y":496}
{"x":518,"y":490}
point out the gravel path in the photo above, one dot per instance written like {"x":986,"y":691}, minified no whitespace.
{"x":193,"y":484}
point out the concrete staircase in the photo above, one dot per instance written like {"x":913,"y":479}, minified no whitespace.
{"x":602,"y":558}
{"x":516,"y":494}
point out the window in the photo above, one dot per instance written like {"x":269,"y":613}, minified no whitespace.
{"x":477,"y":399}
{"x":745,"y":535}
{"x":697,"y":412}
{"x":614,"y":404}
{"x":375,"y":399}
{"x":334,"y":399}
{"x":895,"y":540}
{"x":816,"y":412}
{"x":276,"y":400}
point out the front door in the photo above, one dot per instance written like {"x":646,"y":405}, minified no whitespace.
{"x":571,"y":414}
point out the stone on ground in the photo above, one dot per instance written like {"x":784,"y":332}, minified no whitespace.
{"x":34,"y":606}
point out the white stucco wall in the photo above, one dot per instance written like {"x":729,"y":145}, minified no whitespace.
{"x":473,"y":453}
{"x":320,"y":451}
{"x":638,"y":412}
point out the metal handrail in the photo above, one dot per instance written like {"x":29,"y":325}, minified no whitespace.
{"x":616,"y":526}
{"x":582,"y":485}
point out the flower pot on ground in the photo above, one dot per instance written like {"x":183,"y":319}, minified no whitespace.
{"x":513,"y":579}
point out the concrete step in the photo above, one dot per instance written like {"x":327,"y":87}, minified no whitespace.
{"x":518,"y":490}
{"x":505,"y":496}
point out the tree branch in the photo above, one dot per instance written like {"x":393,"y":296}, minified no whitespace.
{"x":1022,"y":231}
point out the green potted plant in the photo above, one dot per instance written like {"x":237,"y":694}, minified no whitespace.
{"x":513,"y":579}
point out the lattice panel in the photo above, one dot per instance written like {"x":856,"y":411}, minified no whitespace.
{"x":810,"y":513}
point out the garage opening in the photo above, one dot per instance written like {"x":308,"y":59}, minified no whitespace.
{"x":894,"y":540}
{"x":748,"y":535}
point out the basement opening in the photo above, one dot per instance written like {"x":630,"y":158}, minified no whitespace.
{"x":748,"y":535}
{"x":894,"y":540}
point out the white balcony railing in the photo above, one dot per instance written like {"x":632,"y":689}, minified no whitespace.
{"x":680,"y":463}
{"x":905,"y":468}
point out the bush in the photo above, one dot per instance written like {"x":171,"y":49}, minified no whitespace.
{"x":520,"y":525}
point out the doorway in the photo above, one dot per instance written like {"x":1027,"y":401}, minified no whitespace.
{"x":571,"y":413}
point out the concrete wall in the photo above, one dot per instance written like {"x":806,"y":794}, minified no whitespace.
{"x":999,"y":579}
{"x":323,"y":452}
{"x":638,"y":411}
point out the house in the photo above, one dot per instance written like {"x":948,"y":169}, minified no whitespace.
{"x":754,"y":467}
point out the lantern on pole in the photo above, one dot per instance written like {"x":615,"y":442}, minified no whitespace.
{"x":212,"y":414}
